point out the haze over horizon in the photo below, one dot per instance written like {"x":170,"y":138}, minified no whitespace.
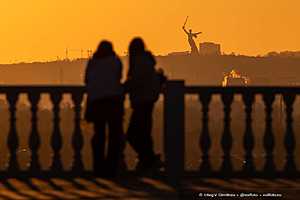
{"x":36,"y":30}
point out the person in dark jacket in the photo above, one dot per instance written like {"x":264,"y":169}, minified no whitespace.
{"x":144,"y":85}
{"x":105,"y":107}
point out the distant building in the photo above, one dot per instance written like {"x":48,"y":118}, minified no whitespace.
{"x":209,"y":49}
{"x":234,"y":78}
{"x":183,"y":53}
{"x":284,"y":54}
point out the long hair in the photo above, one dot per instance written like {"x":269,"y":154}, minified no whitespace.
{"x":136,"y":48}
{"x":105,"y":49}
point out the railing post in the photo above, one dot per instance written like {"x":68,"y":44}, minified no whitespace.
{"x":226,"y":140}
{"x":56,"y":139}
{"x":249,"y":140}
{"x":205,"y":140}
{"x":289,"y":139}
{"x":34,"y":138}
{"x":269,"y":140}
{"x":174,"y":137}
{"x":77,"y":139}
{"x":13,"y":140}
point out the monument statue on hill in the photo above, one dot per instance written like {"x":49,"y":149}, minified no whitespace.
{"x":191,"y":36}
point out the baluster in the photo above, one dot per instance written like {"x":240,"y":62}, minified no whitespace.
{"x":205,"y":141}
{"x":13,"y":141}
{"x":226,"y":141}
{"x":249,"y":167}
{"x":289,"y":140}
{"x":56,"y":139}
{"x":34,"y":138}
{"x":77,"y":139}
{"x":269,"y":142}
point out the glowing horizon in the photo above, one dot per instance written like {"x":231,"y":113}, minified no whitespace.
{"x":42,"y":30}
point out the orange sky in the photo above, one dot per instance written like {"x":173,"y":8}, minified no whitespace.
{"x":42,"y":29}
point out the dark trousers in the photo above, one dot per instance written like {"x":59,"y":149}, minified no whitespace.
{"x":139,"y":131}
{"x":107,"y":112}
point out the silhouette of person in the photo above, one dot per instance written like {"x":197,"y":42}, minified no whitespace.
{"x":191,"y":36}
{"x":143,"y":84}
{"x":105,"y":107}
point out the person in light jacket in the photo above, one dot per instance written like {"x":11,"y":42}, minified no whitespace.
{"x":105,"y":107}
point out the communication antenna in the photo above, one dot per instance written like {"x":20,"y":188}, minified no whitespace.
{"x":79,"y":51}
{"x":67,"y":54}
{"x":89,"y":53}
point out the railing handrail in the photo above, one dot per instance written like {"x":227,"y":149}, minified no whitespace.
{"x":188,"y":89}
{"x":41,"y":88}
{"x":242,"y":89}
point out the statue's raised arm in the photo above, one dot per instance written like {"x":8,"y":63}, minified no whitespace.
{"x":185,"y":30}
{"x":183,"y":27}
